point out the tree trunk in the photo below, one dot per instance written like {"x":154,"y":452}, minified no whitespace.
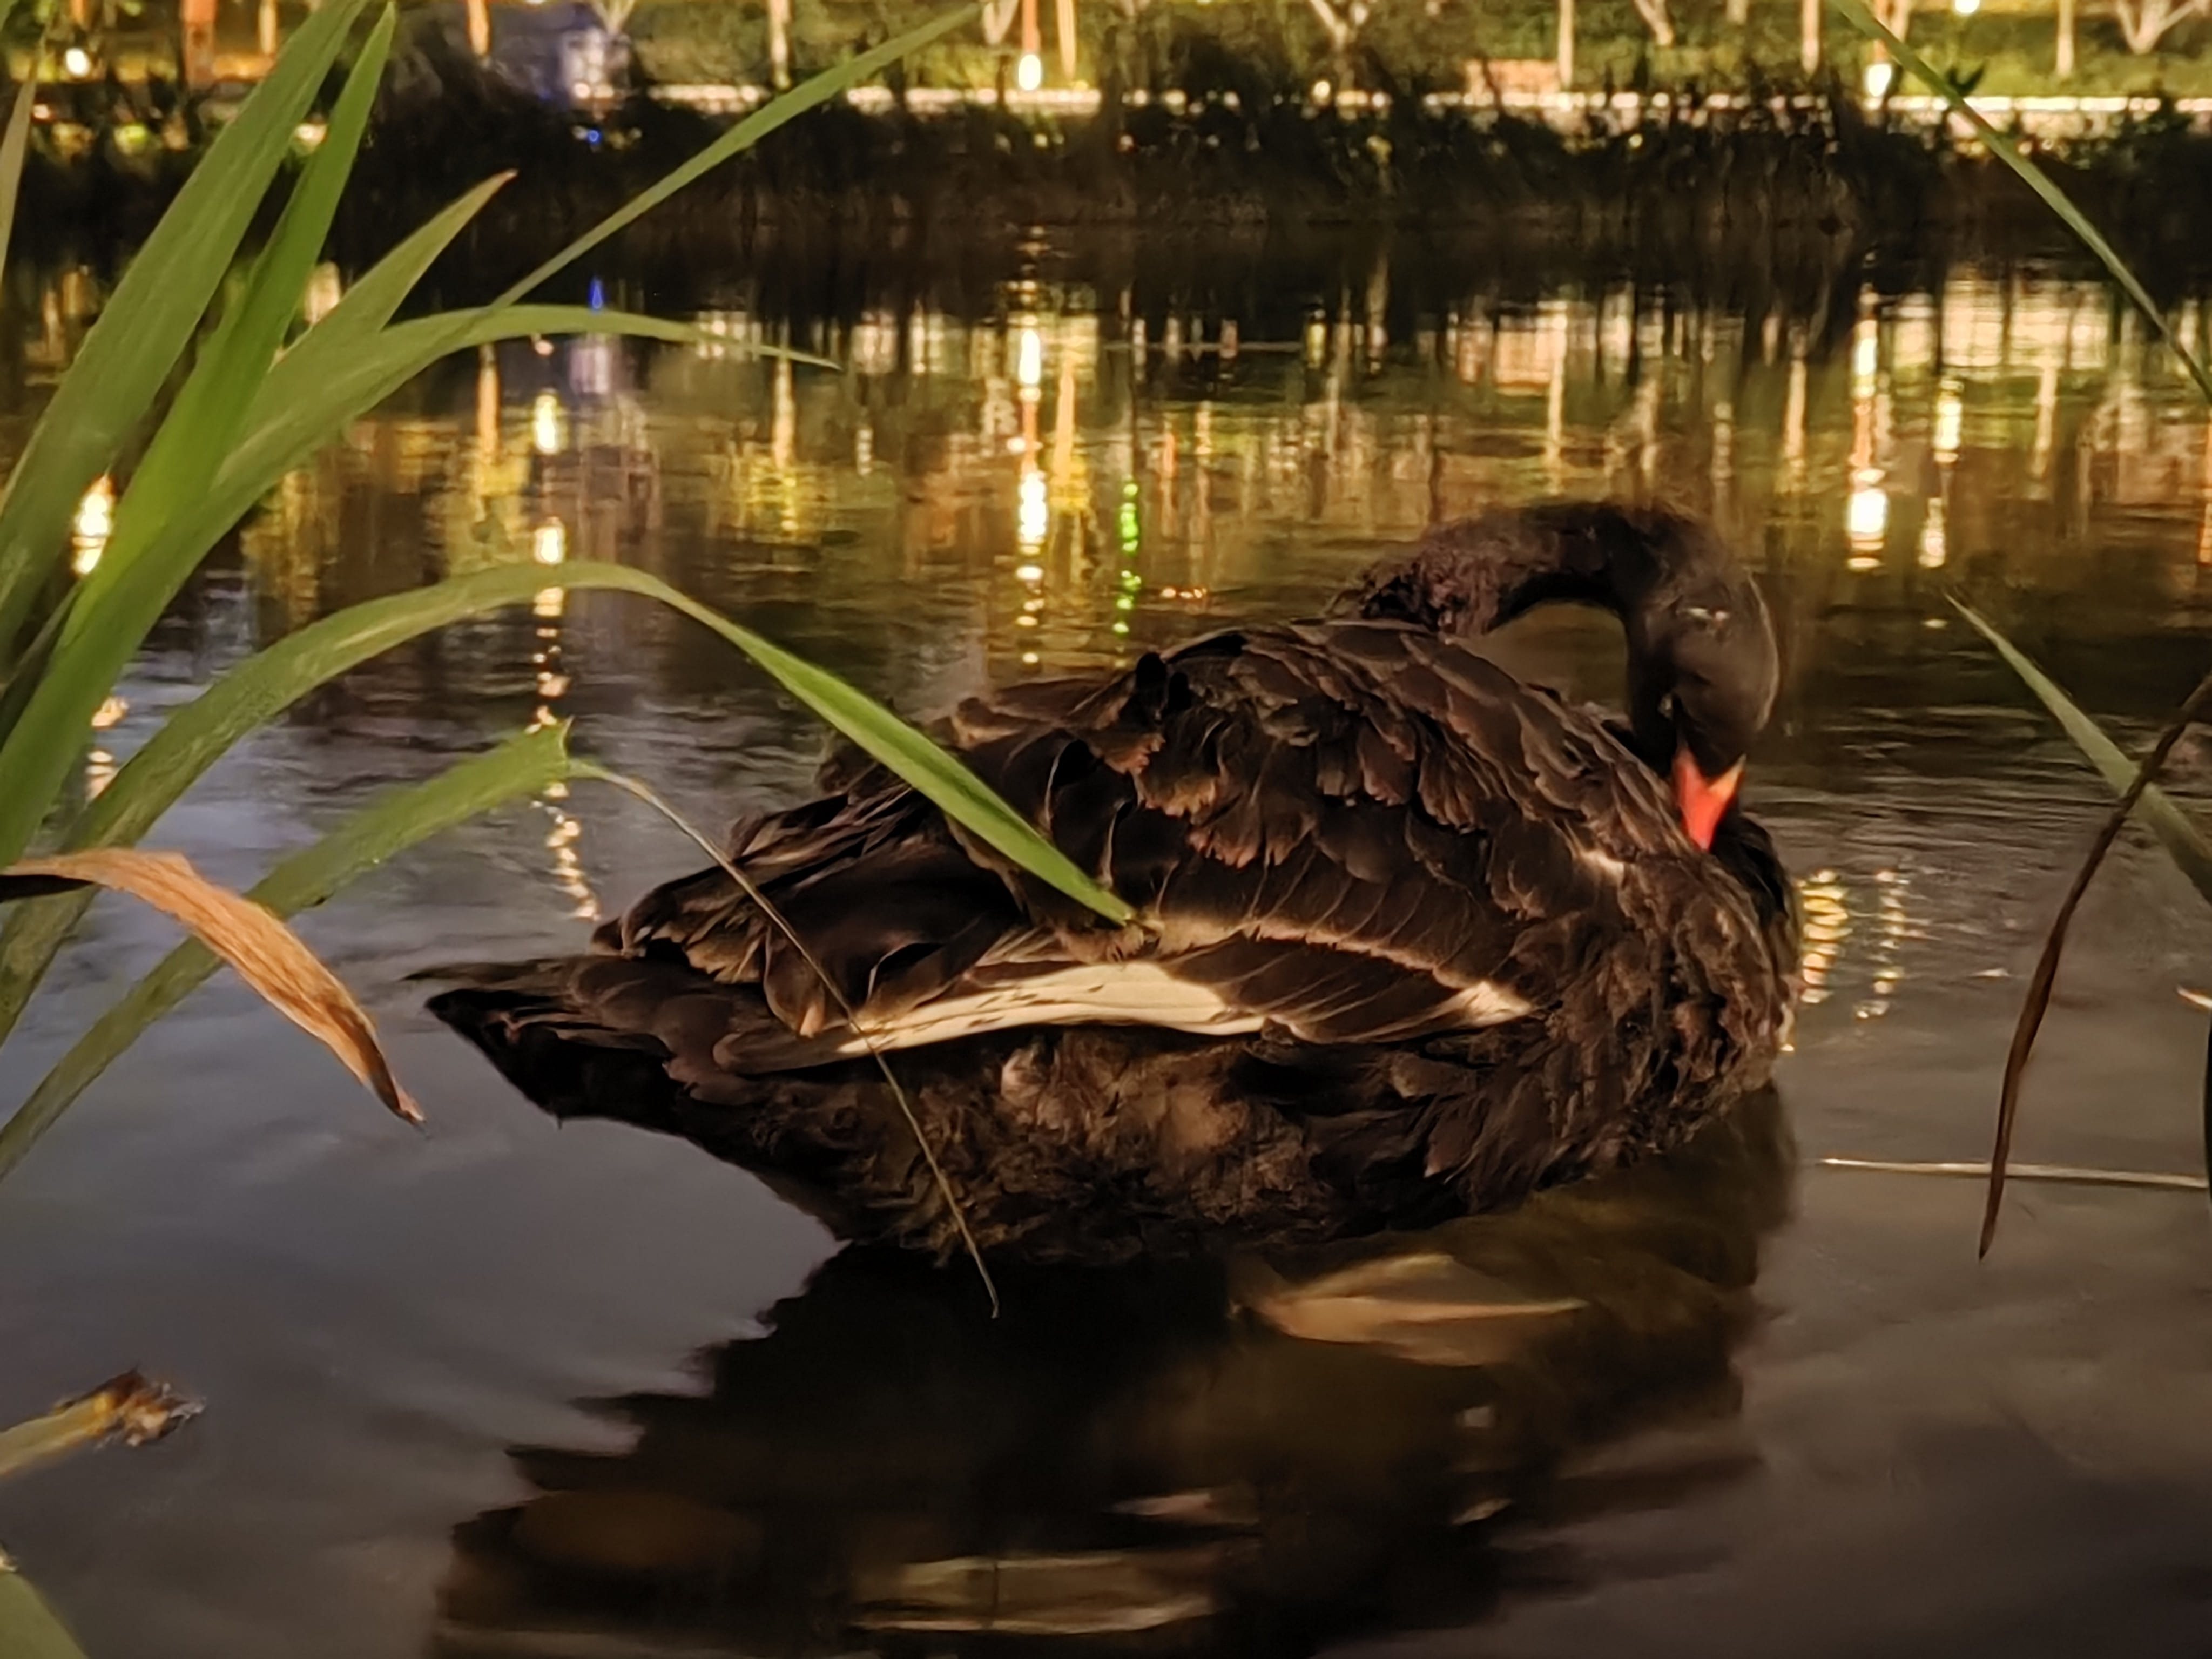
{"x":2143,"y":26}
{"x":778,"y":44}
{"x":1654,"y":13}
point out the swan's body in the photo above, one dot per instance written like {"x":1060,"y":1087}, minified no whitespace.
{"x":1418,"y":939}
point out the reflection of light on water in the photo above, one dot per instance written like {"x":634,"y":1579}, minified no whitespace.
{"x":1950,"y":419}
{"x":1827,"y":925}
{"x":1878,"y":77}
{"x":567,"y":868}
{"x":1033,"y":513}
{"x":100,"y":765}
{"x":93,"y":523}
{"x":548,"y":425}
{"x":1892,"y":926}
{"x":1030,"y":75}
{"x":325,"y":287}
{"x":1933,"y":546}
{"x":1866,"y":518}
{"x":1866,"y":354}
{"x":1028,"y":359}
{"x":548,"y":543}
{"x":864,"y":449}
{"x":548,"y":602}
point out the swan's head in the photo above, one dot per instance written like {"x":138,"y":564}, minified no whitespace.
{"x":1703,"y":671}
{"x":1702,"y":664}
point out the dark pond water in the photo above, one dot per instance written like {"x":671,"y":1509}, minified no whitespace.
{"x":510,"y":1388}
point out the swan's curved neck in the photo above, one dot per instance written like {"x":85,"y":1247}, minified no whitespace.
{"x":1480,"y":574}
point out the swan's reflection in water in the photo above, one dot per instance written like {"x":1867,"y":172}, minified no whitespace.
{"x":1247,"y":1457}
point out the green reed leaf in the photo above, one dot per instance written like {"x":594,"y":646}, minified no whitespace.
{"x":13,"y":146}
{"x":28,"y":1627}
{"x":146,"y":325}
{"x":2183,"y":841}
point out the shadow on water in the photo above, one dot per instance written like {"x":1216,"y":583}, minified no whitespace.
{"x":1244,"y":1456}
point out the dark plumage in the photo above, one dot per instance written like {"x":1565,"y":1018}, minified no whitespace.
{"x":1418,"y":939}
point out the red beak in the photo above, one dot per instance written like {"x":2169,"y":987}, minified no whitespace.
{"x":1703,"y":799}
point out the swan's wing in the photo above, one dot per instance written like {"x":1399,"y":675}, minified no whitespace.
{"x":1349,"y":832}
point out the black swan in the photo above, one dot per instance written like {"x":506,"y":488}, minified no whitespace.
{"x":1417,"y":939}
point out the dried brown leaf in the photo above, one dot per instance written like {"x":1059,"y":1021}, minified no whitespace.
{"x":266,"y":954}
{"x":129,"y":1409}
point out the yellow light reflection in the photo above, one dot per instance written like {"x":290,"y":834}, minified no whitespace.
{"x":1827,"y":926}
{"x":548,"y":543}
{"x":1033,"y":516}
{"x":1029,"y":358}
{"x":1866,"y":518}
{"x":1950,"y":420}
{"x":1933,"y":543}
{"x":548,"y":425}
{"x":1030,"y":74}
{"x":91,"y":526}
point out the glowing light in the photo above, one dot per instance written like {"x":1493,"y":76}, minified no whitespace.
{"x":93,"y":523}
{"x":325,"y":287}
{"x":1034,"y":516}
{"x":1965,"y":8}
{"x":1030,"y":659}
{"x":1878,"y":77}
{"x":548,"y":425}
{"x":1950,"y":420}
{"x":1934,"y":545}
{"x":1866,"y":350}
{"x":548,"y":543}
{"x":1029,"y":573}
{"x":1025,"y":621}
{"x":109,"y":713}
{"x":1866,"y":518}
{"x":1028,"y":76}
{"x":1322,"y":89}
{"x":77,"y":63}
{"x":309,"y":134}
{"x":1029,"y":367}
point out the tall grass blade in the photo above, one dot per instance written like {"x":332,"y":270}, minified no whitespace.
{"x":1856,"y":13}
{"x":13,"y":146}
{"x":2180,"y":837}
{"x":28,"y":1628}
{"x":522,"y":766}
{"x":144,"y":328}
{"x":744,"y":884}
{"x":129,"y":1408}
{"x":817,"y":90}
{"x":2184,"y":843}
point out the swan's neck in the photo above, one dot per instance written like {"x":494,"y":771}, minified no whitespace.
{"x":1479,"y":574}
